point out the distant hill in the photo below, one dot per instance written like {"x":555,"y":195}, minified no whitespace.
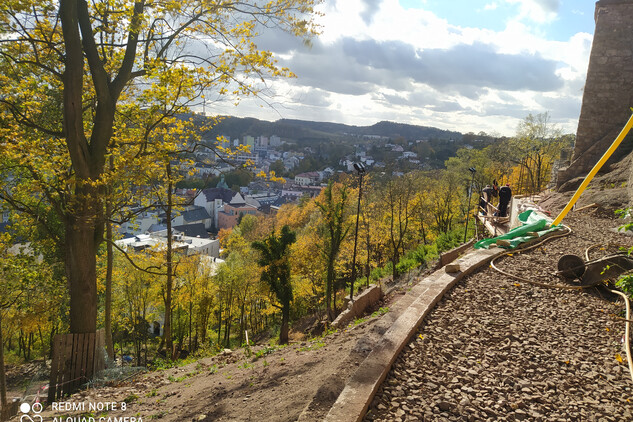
{"x":236,"y":127}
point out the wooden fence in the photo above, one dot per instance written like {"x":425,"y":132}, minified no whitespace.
{"x":76,"y":358}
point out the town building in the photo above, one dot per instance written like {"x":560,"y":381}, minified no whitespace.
{"x":236,"y":208}
{"x":181,"y":243}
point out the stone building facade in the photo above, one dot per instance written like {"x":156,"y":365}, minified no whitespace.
{"x":608,"y":93}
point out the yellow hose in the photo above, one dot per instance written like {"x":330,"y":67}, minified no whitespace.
{"x":627,"y":331}
{"x":594,"y":170}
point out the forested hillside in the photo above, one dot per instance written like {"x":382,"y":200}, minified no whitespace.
{"x":236,"y":127}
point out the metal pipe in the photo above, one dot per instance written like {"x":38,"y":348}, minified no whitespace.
{"x":470,"y":194}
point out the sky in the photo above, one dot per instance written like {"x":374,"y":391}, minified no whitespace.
{"x":464,"y":65}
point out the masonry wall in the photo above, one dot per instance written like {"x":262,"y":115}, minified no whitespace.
{"x":608,"y":93}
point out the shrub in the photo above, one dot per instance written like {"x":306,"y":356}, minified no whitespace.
{"x":406,"y":264}
{"x":448,"y":241}
{"x":378,"y":273}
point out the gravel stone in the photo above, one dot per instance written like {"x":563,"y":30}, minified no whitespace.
{"x":497,"y":349}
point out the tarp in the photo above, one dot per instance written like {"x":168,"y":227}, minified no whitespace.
{"x":531,"y":222}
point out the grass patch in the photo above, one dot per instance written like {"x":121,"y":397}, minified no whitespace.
{"x":380,"y":312}
{"x":131,"y":398}
{"x":158,"y":415}
{"x":265,"y":351}
{"x":314,"y":345}
{"x":245,"y":365}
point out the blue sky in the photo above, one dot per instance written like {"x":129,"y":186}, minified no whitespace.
{"x":465,"y":65}
{"x":571,"y":16}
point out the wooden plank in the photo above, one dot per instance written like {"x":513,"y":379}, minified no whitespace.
{"x":53,"y":381}
{"x":90,"y":356}
{"x":60,"y":367}
{"x":68,"y":361}
{"x":67,"y":364}
{"x":99,"y":351}
{"x":84,"y":377}
{"x":67,"y":349}
{"x":76,"y":359}
{"x":83,"y":357}
{"x":73,"y":364}
{"x":78,"y":354}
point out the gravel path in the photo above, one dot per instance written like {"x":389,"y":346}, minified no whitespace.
{"x":499,"y":349}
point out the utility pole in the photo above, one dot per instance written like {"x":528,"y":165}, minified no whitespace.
{"x":470,"y":194}
{"x":360,"y":168}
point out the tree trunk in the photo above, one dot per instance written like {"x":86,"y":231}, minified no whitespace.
{"x":29,"y":347}
{"x":220,"y":324}
{"x":190,"y":317}
{"x":227,"y":333}
{"x":39,"y":331}
{"x":328,"y":289}
{"x":285,"y":318}
{"x":108,"y":277}
{"x":423,"y":230}
{"x":394,"y":262}
{"x":227,"y":323}
{"x":81,"y":267}
{"x":3,"y":379}
{"x":168,"y":257}
{"x":242,"y":322}
{"x":51,"y":340}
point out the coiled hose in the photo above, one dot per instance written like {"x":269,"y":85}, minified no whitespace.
{"x":627,"y":330}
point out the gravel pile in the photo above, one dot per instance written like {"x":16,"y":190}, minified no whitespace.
{"x":499,"y":349}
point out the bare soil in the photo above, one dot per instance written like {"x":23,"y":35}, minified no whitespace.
{"x":301,"y":380}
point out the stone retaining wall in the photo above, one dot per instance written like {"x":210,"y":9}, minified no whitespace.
{"x":453,"y":254}
{"x":361,"y":303}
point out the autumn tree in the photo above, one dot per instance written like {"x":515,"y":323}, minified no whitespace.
{"x":446,"y":198}
{"x":333,"y":204}
{"x":422,"y":206}
{"x":274,"y":260}
{"x":70,"y":70}
{"x":18,"y":278}
{"x":192,"y":276}
{"x":399,"y":212}
{"x":535,"y":148}
{"x":234,"y":280}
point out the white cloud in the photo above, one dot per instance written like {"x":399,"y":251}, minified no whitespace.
{"x":370,"y":9}
{"x":376,"y":61}
{"x":539,"y":11}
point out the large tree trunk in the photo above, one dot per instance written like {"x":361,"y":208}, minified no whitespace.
{"x":81,"y":274}
{"x":80,"y":224}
